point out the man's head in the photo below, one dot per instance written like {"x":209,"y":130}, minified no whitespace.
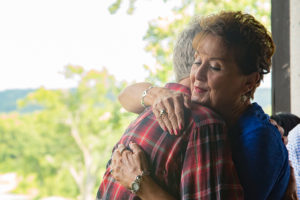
{"x":183,"y":54}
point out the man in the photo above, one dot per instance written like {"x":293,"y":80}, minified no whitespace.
{"x":195,"y":165}
{"x":293,"y":147}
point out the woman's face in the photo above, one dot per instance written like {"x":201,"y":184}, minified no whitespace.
{"x":216,"y":80}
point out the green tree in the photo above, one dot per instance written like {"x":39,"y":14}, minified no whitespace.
{"x":62,"y":149}
{"x":162,"y":32}
{"x":65,"y":146}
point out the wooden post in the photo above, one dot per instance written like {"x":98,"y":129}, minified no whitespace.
{"x":280,"y":21}
{"x":295,"y":56}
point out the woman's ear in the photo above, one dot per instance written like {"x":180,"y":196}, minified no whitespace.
{"x":251,"y":81}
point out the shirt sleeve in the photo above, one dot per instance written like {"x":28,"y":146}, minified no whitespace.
{"x":294,"y":153}
{"x":208,"y":171}
{"x":262,"y":162}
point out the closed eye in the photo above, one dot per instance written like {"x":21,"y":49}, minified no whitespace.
{"x":198,"y":63}
{"x":215,"y":68}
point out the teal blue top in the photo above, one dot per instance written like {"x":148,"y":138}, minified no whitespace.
{"x":260,"y":157}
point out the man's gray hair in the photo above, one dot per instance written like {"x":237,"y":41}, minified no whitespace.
{"x":183,"y":54}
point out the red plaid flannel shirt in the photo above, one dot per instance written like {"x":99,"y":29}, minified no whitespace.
{"x":195,"y":165}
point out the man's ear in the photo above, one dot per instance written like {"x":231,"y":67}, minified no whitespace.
{"x":251,"y":81}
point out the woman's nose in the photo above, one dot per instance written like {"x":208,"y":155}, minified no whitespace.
{"x":201,"y":73}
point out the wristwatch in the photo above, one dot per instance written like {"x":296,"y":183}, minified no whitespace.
{"x":136,"y":185}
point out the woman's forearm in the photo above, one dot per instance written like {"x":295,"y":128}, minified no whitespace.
{"x":150,"y":190}
{"x":130,"y":98}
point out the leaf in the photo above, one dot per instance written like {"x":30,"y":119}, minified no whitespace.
{"x":115,"y":7}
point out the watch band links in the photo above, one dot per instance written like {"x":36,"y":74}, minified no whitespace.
{"x":136,"y":185}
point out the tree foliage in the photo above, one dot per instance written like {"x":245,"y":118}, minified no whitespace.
{"x":62,"y":149}
{"x":162,"y":32}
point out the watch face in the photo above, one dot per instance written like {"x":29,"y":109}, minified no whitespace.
{"x":135,"y":187}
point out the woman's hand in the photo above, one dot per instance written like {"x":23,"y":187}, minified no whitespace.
{"x":281,"y":131}
{"x":128,"y":164}
{"x":168,"y":107}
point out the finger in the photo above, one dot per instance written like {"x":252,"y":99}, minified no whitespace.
{"x":129,"y":158}
{"x":165,"y":119}
{"x":116,"y":155}
{"x":187,"y":101}
{"x":156,"y":112}
{"x":171,"y":119}
{"x":125,"y":157}
{"x":116,"y":159}
{"x":135,"y":147}
{"x":121,"y":148}
{"x":139,"y":157}
{"x":179,"y":111}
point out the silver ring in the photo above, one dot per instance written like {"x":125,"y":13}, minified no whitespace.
{"x":162,"y":112}
{"x":123,"y":150}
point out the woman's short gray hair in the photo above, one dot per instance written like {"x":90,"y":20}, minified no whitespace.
{"x":183,"y":54}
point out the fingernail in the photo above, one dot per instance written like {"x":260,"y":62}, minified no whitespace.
{"x":176,"y":132}
{"x":180,"y":127}
{"x":171,"y":131}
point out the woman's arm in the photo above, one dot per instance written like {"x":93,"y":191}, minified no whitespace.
{"x":167,"y":105}
{"x":130,"y":97}
{"x":127,"y":165}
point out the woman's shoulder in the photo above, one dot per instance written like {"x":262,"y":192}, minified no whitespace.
{"x":254,"y":119}
{"x":259,"y":137}
{"x":255,"y":125}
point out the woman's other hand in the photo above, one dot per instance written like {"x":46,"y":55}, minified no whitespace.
{"x":281,"y":131}
{"x":128,"y":164}
{"x":168,"y":107}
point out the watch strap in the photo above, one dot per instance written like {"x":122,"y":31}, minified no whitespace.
{"x":137,"y":181}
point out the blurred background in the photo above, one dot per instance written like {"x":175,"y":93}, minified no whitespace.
{"x":63,"y":63}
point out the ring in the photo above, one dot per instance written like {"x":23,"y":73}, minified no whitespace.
{"x":162,"y":112}
{"x":123,"y":150}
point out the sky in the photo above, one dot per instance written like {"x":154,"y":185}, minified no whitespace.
{"x":39,"y":37}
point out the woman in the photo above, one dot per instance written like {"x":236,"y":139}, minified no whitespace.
{"x":233,"y":52}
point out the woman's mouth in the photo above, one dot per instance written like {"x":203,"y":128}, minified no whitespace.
{"x":199,"y":90}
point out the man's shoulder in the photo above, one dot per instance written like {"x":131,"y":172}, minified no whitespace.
{"x":178,"y":87}
{"x":294,"y":137}
{"x":295,"y":133}
{"x":203,"y":116}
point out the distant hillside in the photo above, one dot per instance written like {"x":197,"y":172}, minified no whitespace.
{"x":263,"y":97}
{"x":9,"y":98}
